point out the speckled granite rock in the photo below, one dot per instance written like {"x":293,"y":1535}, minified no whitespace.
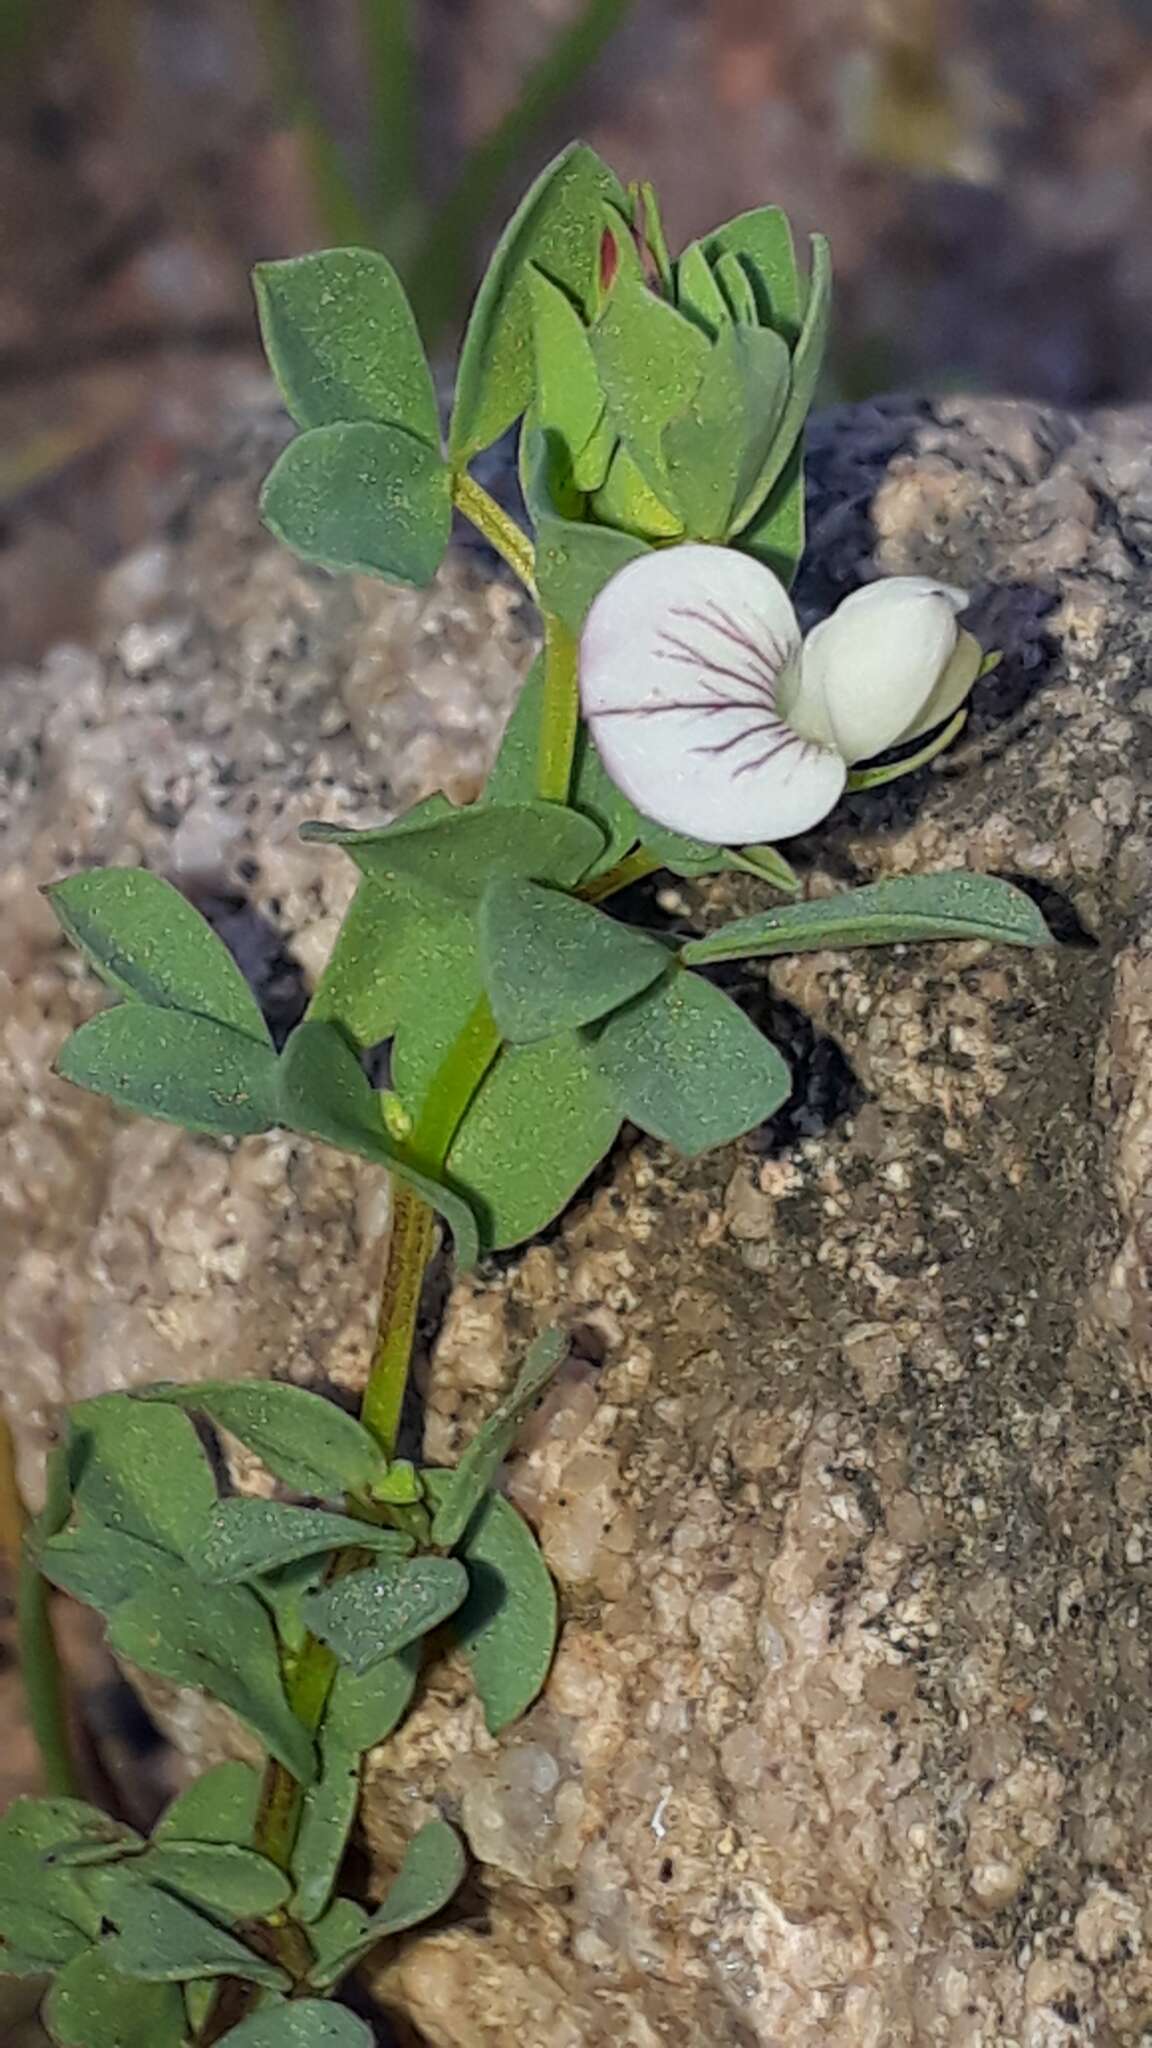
{"x":849,"y":1491}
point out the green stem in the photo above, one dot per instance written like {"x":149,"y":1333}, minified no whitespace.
{"x":560,"y":712}
{"x":44,"y":1688}
{"x":45,"y":1692}
{"x":502,"y":533}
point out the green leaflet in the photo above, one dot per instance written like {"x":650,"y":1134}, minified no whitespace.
{"x":540,"y":1122}
{"x":305,"y":2023}
{"x":364,"y":1707}
{"x":807,"y":363}
{"x":91,"y":2005}
{"x":139,"y":1470}
{"x":507,"y":1626}
{"x":551,"y":963}
{"x":244,"y":1538}
{"x":47,"y":1916}
{"x":688,"y":1066}
{"x":775,"y":535}
{"x":568,"y":399}
{"x":306,"y":1441}
{"x":574,"y":561}
{"x":333,"y":1936}
{"x":957,"y":905}
{"x":146,"y":941}
{"x":163,"y":1941}
{"x":556,"y":227}
{"x":761,"y":244}
{"x":220,"y":1639}
{"x":697,"y":292}
{"x":650,"y":361}
{"x":325,"y":1825}
{"x":371,"y":1614}
{"x":218,"y":1806}
{"x":180,"y":1068}
{"x":720,"y":448}
{"x":735,"y":282}
{"x":325,"y":1093}
{"x":228,"y":1881}
{"x":456,"y":856}
{"x":427,"y":1880}
{"x":361,"y":986}
{"x":364,"y":497}
{"x":343,"y":343}
{"x":101,"y":1566}
{"x":465,"y":1487}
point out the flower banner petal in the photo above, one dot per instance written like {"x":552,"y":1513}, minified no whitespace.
{"x":682,"y":659}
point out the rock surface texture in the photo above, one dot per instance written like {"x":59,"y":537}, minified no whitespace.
{"x":848,"y":1743}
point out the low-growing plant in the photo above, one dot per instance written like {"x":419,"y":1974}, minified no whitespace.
{"x":675,"y":721}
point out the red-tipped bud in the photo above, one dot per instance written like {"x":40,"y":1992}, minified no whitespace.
{"x":609,"y":261}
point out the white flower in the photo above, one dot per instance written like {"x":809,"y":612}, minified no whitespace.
{"x":713,"y":716}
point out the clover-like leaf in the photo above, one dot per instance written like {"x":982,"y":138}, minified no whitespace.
{"x":552,"y":963}
{"x":430,"y":1875}
{"x":556,"y":227}
{"x":364,"y":1707}
{"x":324,"y":1092}
{"x":160,"y":1940}
{"x":175,"y":1066}
{"x":686,"y":1064}
{"x":507,"y":1626}
{"x":461,"y":1494}
{"x":304,"y":2023}
{"x":308,"y":1442}
{"x":325,"y":1824}
{"x":146,"y":941}
{"x":343,"y":344}
{"x":540,"y":1122}
{"x":456,"y":856}
{"x":242,"y":1539}
{"x":220,"y":1639}
{"x":909,"y":909}
{"x":362,"y":496}
{"x":139,"y":1470}
{"x":91,"y":2005}
{"x":220,"y":1805}
{"x":367,"y":1615}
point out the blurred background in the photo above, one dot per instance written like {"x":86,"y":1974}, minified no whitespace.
{"x":984,"y":168}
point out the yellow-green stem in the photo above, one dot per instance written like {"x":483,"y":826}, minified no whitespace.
{"x":635,"y":867}
{"x":45,"y":1691}
{"x":501,"y":532}
{"x":560,"y":712}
